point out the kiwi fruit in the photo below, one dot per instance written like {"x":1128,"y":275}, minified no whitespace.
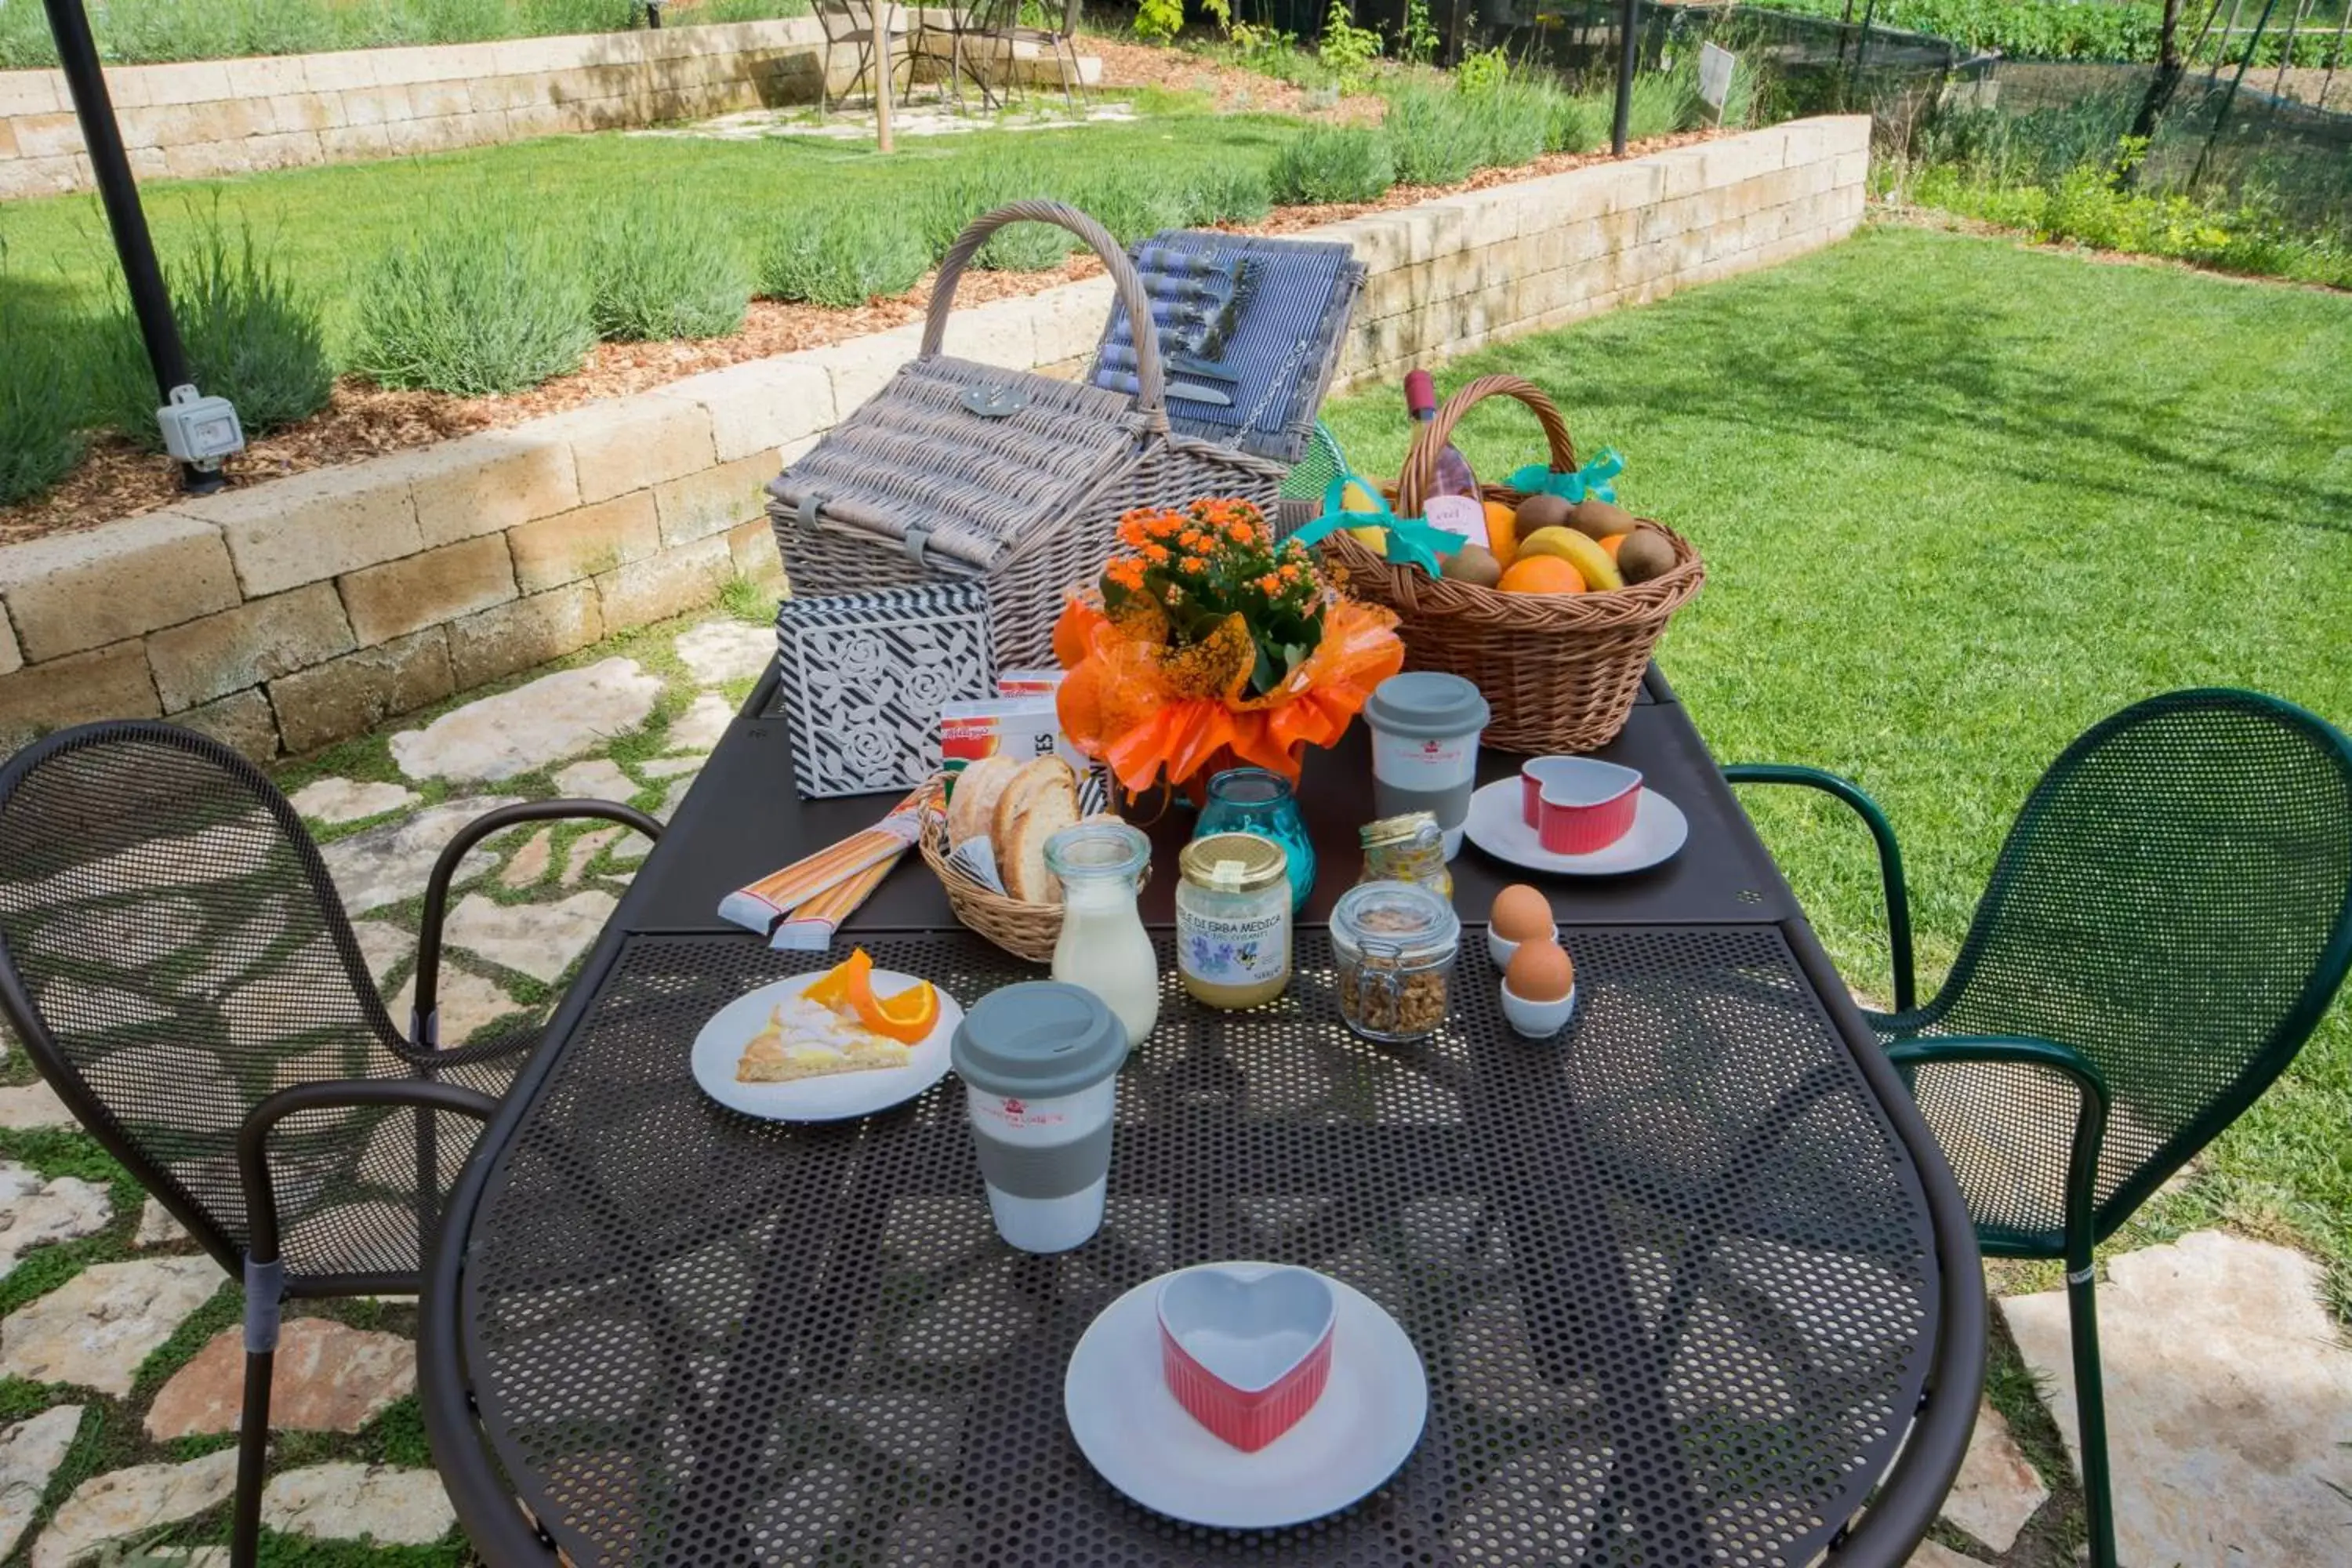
{"x":1472,"y":564}
{"x":1597,"y":519}
{"x":1541,"y":510}
{"x":1646,"y":554}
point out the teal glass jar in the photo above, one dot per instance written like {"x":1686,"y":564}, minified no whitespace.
{"x":1258,"y":800}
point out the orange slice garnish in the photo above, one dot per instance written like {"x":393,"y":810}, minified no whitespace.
{"x":834,"y":986}
{"x":906,"y":1018}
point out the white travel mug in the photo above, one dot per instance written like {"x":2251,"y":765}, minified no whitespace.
{"x":1039,"y":1064}
{"x":1425,"y":727}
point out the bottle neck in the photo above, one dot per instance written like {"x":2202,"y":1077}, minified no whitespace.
{"x":1098,"y":895}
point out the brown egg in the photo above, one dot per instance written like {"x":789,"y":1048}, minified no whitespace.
{"x":1519,"y":913}
{"x":1540,"y":971}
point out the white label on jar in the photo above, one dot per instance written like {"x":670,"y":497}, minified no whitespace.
{"x":1240,"y":950}
{"x":1412,"y":763}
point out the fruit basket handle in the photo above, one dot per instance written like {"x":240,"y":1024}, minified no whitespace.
{"x":1420,"y":471}
{"x":1151,"y":386}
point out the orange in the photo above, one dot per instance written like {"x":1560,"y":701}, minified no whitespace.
{"x":1502,"y":532}
{"x":1541,"y":574}
{"x":1612,"y":543}
{"x":834,"y":986}
{"x":906,"y":1018}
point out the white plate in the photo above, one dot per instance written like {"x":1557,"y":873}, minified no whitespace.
{"x":1498,"y":825}
{"x":1133,"y":1432}
{"x":721,"y":1046}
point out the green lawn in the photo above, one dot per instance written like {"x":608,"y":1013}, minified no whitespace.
{"x":330,"y":224}
{"x":1959,"y":500}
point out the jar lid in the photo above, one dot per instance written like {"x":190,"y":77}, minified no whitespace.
{"x":1108,"y":849}
{"x":1402,"y":920}
{"x":1426,"y":705}
{"x":1037,"y":1038}
{"x":1412,"y":828}
{"x":1233,"y":862}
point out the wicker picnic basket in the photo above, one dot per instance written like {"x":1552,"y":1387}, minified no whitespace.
{"x":1561,"y":671}
{"x":1015,"y":479}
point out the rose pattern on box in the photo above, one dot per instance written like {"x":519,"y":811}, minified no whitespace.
{"x":865,"y":676}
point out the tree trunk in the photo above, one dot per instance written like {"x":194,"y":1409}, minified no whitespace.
{"x":2167,"y":73}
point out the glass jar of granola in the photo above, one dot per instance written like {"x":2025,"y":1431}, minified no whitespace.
{"x":1394,"y":945}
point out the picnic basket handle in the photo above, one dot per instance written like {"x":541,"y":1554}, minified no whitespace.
{"x":1150,"y":384}
{"x":1420,"y":471}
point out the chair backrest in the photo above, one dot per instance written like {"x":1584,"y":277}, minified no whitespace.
{"x":2174,"y":902}
{"x":846,"y":21}
{"x":172,"y":951}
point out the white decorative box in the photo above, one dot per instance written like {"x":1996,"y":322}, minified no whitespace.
{"x":864,"y":677}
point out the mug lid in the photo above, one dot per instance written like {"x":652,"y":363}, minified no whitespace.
{"x":1037,"y":1038}
{"x":1426,"y":705}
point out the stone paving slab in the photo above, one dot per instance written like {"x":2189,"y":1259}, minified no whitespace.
{"x":2229,"y":1402}
{"x":94,"y":1330}
{"x":549,"y":720}
{"x":356,"y":1502}
{"x":327,"y":1377}
{"x":129,"y":1505}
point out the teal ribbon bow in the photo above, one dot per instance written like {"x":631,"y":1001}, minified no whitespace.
{"x":1410,"y":539}
{"x":1591,"y":480}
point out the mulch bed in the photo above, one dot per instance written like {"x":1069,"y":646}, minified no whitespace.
{"x":362,"y":420}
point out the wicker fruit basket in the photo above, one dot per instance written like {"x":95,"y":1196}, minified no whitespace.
{"x":1561,"y":671}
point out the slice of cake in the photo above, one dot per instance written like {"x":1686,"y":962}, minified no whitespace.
{"x":808,"y":1039}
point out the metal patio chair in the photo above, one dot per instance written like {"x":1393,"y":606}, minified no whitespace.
{"x":849,"y":24}
{"x":1057,"y":37}
{"x":179,"y":965}
{"x":2167,"y":923}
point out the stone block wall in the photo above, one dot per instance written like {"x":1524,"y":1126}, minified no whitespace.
{"x":307,"y":609}
{"x":200,"y":119}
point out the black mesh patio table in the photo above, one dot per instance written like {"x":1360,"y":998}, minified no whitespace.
{"x":1671,"y":1278}
{"x":1682,"y":1282}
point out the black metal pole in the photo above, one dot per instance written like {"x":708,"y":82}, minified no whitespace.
{"x":111,"y":167}
{"x":1629,"y":20}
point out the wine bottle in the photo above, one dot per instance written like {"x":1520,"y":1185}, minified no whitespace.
{"x":1453,"y":503}
{"x":1453,"y":476}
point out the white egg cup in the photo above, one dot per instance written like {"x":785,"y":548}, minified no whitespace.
{"x":1539,"y":1020}
{"x":1500,"y":949}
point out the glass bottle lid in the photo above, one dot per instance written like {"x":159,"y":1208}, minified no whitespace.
{"x":1395,"y":919}
{"x":1233,"y":862}
{"x":1092,"y":850}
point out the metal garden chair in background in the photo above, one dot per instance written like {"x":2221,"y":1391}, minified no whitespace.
{"x":1058,"y":37}
{"x":176,"y":961}
{"x":849,"y":24}
{"x":2167,"y":923}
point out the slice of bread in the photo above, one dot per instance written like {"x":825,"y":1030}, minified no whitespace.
{"x":1042,"y":800}
{"x":972,"y":810}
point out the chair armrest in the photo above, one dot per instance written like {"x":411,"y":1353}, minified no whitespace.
{"x":253,"y":1136}
{"x":423,"y":1022}
{"x":1890,"y":856}
{"x":2090,"y":1115}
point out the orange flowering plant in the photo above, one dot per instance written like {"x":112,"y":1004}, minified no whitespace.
{"x":1207,"y":641}
{"x":1193,"y":570}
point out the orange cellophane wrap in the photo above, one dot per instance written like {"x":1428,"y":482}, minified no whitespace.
{"x":1149,"y":710}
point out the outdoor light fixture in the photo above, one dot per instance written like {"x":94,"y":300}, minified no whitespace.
{"x":198,"y":430}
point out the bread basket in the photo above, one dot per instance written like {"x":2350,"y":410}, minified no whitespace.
{"x":1023,"y":930}
{"x":1561,"y":671}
